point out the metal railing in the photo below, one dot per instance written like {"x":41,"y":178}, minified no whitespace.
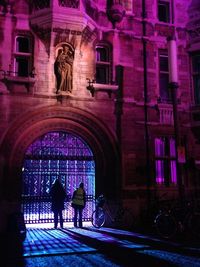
{"x":37,"y":209}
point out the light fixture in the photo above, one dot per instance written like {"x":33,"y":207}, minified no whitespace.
{"x":98,"y":87}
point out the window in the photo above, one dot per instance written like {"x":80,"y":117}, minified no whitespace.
{"x":40,"y":4}
{"x":165,"y":161}
{"x":69,"y":3}
{"x":21,"y":65}
{"x":165,"y":11}
{"x":103,"y":65}
{"x":196,"y":77}
{"x":22,"y":45}
{"x":165,"y":95}
{"x":23,"y":56}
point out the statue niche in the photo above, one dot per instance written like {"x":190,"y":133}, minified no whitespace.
{"x":63,"y":69}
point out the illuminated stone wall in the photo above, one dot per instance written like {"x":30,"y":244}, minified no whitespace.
{"x":50,"y":24}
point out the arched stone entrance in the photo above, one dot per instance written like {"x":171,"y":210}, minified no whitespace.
{"x":24,"y":131}
{"x":56,"y":155}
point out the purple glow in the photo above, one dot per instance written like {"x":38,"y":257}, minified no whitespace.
{"x":173,"y":172}
{"x":165,"y":154}
{"x":56,"y":155}
{"x":159,"y":172}
{"x":172,"y":147}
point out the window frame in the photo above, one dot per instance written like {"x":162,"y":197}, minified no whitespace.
{"x":195,"y":74}
{"x":105,"y":65}
{"x":170,"y":15}
{"x":19,"y":68}
{"x":164,"y":93}
{"x":165,"y":162}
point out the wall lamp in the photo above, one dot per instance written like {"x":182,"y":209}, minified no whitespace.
{"x":98,"y":87}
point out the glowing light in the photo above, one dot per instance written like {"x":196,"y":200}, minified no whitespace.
{"x":51,"y":225}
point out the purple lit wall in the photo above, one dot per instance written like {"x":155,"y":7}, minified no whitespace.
{"x":123,"y":157}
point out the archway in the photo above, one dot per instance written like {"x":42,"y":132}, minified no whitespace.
{"x":38,"y":122}
{"x":56,"y":155}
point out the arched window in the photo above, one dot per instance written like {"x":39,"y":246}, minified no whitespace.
{"x":103,"y":64}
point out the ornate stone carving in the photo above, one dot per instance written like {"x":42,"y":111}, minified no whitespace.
{"x":66,"y":35}
{"x":63,"y":69}
{"x":116,"y":13}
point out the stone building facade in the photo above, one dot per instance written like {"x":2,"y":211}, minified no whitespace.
{"x":119,"y":104}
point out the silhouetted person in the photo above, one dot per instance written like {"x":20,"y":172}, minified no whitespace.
{"x":58,"y":195}
{"x":78,"y":203}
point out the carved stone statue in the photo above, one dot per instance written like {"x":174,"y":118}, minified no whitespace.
{"x":63,"y":69}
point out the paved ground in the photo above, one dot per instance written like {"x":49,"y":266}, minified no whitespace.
{"x":99,"y":247}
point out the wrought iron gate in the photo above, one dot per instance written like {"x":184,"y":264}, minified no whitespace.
{"x":55,"y":155}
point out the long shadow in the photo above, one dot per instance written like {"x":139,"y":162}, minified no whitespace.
{"x":155,"y":242}
{"x":113,"y":249}
{"x":120,"y":247}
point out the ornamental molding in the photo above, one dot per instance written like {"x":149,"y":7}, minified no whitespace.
{"x":39,"y":121}
{"x":164,"y":30}
{"x":23,"y":32}
{"x":66,"y":31}
{"x":75,"y":37}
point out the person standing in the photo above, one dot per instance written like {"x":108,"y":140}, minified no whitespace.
{"x":58,"y":195}
{"x":78,"y":203}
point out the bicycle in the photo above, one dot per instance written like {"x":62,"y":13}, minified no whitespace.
{"x":120,"y":217}
{"x":172,"y":220}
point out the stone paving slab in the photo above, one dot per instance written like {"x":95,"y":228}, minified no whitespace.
{"x":51,"y":241}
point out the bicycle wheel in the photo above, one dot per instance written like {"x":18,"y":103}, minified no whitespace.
{"x":98,"y":218}
{"x":166,"y":225}
{"x":194,"y":224}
